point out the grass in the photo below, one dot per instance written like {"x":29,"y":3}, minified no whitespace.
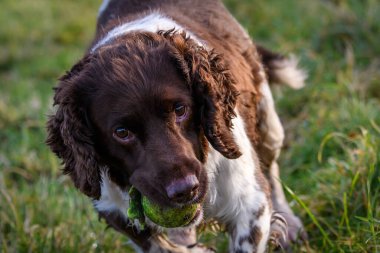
{"x":330,"y":164}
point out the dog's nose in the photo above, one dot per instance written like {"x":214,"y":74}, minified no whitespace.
{"x":183,"y":190}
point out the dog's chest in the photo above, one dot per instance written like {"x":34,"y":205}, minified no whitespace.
{"x":232,"y":183}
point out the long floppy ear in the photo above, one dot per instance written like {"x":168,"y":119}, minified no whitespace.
{"x":214,"y":89}
{"x":69,"y":135}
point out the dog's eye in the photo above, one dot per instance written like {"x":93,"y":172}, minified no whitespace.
{"x":180,"y":111}
{"x":123,"y":133}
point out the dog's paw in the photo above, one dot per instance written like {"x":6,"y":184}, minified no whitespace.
{"x":296,"y":231}
{"x":200,"y":248}
{"x":286,"y":229}
{"x":278,"y":231}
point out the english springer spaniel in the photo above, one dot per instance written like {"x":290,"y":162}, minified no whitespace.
{"x":172,"y":98}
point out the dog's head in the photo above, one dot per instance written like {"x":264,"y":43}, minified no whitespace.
{"x":145,"y":107}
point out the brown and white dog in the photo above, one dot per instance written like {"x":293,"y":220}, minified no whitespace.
{"x":172,"y":97}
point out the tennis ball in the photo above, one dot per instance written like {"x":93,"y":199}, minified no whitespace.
{"x":135,"y":210}
{"x":169,"y":217}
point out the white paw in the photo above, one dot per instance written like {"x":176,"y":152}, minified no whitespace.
{"x":200,"y":248}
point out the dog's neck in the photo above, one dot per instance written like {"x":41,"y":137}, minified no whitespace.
{"x":153,"y":22}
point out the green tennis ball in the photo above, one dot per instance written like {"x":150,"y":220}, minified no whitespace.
{"x":169,"y":217}
{"x":135,"y":210}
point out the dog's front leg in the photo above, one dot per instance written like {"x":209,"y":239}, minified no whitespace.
{"x":249,"y":232}
{"x":269,"y":148}
{"x":184,"y":236}
{"x":239,"y":195}
{"x":141,"y":241}
{"x":188,"y":237}
{"x":147,"y":240}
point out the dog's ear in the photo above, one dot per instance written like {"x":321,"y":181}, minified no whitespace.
{"x":69,"y":134}
{"x":214,"y":90}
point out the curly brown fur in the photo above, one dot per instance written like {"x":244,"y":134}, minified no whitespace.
{"x":214,"y":88}
{"x":70,"y":137}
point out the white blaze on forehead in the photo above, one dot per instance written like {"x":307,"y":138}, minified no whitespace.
{"x":153,"y":22}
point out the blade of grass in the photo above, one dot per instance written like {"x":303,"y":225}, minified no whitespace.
{"x":8,"y":200}
{"x":369,"y":199}
{"x":326,"y":139}
{"x":353,"y":182}
{"x":310,"y":214}
{"x":345,"y":215}
{"x":375,"y":126}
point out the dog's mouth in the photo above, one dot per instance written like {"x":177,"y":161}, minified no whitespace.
{"x":198,"y":217}
{"x":198,"y":200}
{"x":182,"y":215}
{"x":195,"y":221}
{"x":199,"y":197}
{"x":172,"y":214}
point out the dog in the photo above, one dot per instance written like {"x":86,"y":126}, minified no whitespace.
{"x":173,"y":98}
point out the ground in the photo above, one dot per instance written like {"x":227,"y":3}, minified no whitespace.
{"x":330,"y":164}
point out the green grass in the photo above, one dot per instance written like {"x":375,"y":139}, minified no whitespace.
{"x":330,"y":164}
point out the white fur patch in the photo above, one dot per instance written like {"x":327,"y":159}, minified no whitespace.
{"x":232,"y":183}
{"x":243,"y":231}
{"x":103,"y":6}
{"x":287,"y":71}
{"x":273,"y":132}
{"x":234,"y":195}
{"x":153,"y":22}
{"x":112,"y":197}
